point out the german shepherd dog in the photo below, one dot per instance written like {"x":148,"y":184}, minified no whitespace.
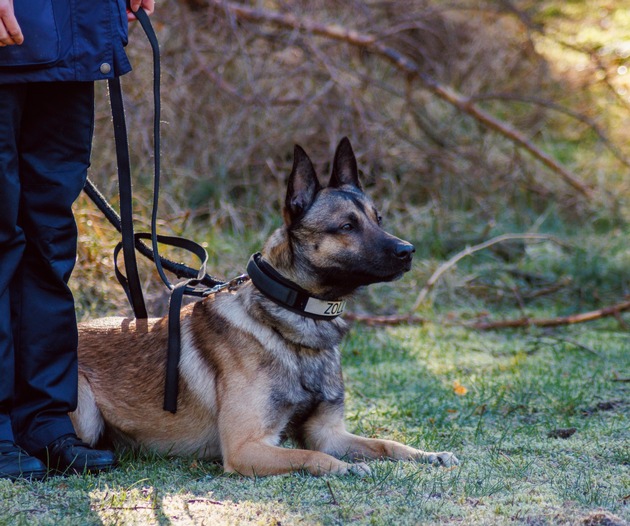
{"x":257,"y":365}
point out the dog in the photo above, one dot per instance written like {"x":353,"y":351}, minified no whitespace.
{"x":261,"y":363}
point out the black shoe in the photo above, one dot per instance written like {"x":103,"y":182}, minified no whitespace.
{"x":15,"y":463}
{"x":68,"y":454}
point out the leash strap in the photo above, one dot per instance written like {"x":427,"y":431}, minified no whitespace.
{"x":143,"y":18}
{"x":194,"y":286}
{"x":171,"y":383}
{"x":130,"y":240}
{"x":209,"y":283}
{"x":133,"y":288}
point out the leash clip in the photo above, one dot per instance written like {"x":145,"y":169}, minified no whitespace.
{"x":236,"y":282}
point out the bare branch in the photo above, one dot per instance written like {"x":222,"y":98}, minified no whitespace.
{"x":613,"y":310}
{"x":468,"y":251}
{"x":575,"y":343}
{"x":599,"y":64}
{"x":411,"y":69}
{"x":561,"y":109}
{"x":385,"y":321}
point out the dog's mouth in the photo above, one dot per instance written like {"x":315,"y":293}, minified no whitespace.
{"x":369,"y":274}
{"x":398,"y":273}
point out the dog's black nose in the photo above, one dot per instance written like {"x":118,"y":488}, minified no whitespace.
{"x":404,"y":250}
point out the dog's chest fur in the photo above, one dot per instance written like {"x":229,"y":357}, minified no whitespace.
{"x":291,"y":363}
{"x":314,"y":377}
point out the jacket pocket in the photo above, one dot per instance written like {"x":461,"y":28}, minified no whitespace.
{"x":42,"y":44}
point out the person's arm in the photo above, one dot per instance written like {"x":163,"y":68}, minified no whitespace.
{"x":10,"y":32}
{"x":147,"y":5}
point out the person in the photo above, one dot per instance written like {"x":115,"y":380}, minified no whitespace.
{"x":51,"y":52}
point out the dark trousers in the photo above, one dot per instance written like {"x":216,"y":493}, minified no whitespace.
{"x":45,"y":141}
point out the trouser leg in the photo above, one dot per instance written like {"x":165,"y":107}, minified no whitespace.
{"x":11,"y":243}
{"x":54,"y":146}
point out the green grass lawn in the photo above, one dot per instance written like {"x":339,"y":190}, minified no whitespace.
{"x":539,"y":419}
{"x":495,"y":399}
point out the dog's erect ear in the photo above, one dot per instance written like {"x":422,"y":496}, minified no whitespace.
{"x":344,"y":169}
{"x":303,"y":186}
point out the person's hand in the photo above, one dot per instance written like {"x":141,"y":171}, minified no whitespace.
{"x":147,"y":5}
{"x":10,"y":32}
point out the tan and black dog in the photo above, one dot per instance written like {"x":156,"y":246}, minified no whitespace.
{"x":260,"y":363}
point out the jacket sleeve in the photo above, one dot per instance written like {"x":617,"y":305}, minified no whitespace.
{"x":67,"y":40}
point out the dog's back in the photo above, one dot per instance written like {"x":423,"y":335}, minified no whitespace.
{"x":222,"y":343}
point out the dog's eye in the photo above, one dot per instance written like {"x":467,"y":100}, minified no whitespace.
{"x":347,"y":227}
{"x":379,"y":220}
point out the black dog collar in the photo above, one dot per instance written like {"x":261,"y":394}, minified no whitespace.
{"x":289,"y":295}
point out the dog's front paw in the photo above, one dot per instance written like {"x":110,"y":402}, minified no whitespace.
{"x":443,"y":458}
{"x":361,"y":469}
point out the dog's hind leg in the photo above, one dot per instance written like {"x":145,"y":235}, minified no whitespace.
{"x":87,"y":419}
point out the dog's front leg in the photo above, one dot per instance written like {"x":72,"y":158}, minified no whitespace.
{"x":356,"y":447}
{"x":256,"y":458}
{"x":326,"y":431}
{"x":248,"y":443}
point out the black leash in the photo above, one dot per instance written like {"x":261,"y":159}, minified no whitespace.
{"x":133,"y":287}
{"x":196,"y":282}
{"x":178,"y":269}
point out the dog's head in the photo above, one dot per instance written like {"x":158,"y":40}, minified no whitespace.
{"x":336,"y":241}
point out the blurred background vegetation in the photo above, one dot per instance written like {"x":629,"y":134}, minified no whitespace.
{"x":238,"y":93}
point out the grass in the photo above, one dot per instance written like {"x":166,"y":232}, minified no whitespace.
{"x":492,"y":398}
{"x":496,"y":399}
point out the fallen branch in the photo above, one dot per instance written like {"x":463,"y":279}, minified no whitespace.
{"x":547,"y":290}
{"x":575,"y":343}
{"x":375,"y":45}
{"x":469,"y":251}
{"x":384,"y":321}
{"x":553,"y":322}
{"x":390,"y":321}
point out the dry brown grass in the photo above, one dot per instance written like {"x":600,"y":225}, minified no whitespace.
{"x":236,"y":96}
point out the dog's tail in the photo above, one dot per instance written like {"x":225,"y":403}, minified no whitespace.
{"x":87,"y":419}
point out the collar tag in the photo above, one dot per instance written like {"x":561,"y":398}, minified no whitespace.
{"x":288,"y":294}
{"x":325,"y":308}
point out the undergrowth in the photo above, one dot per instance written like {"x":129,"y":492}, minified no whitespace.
{"x":557,"y":73}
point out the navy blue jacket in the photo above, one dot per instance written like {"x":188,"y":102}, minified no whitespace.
{"x":67,"y":40}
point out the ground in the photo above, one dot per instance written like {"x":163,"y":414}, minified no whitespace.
{"x":538,"y":419}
